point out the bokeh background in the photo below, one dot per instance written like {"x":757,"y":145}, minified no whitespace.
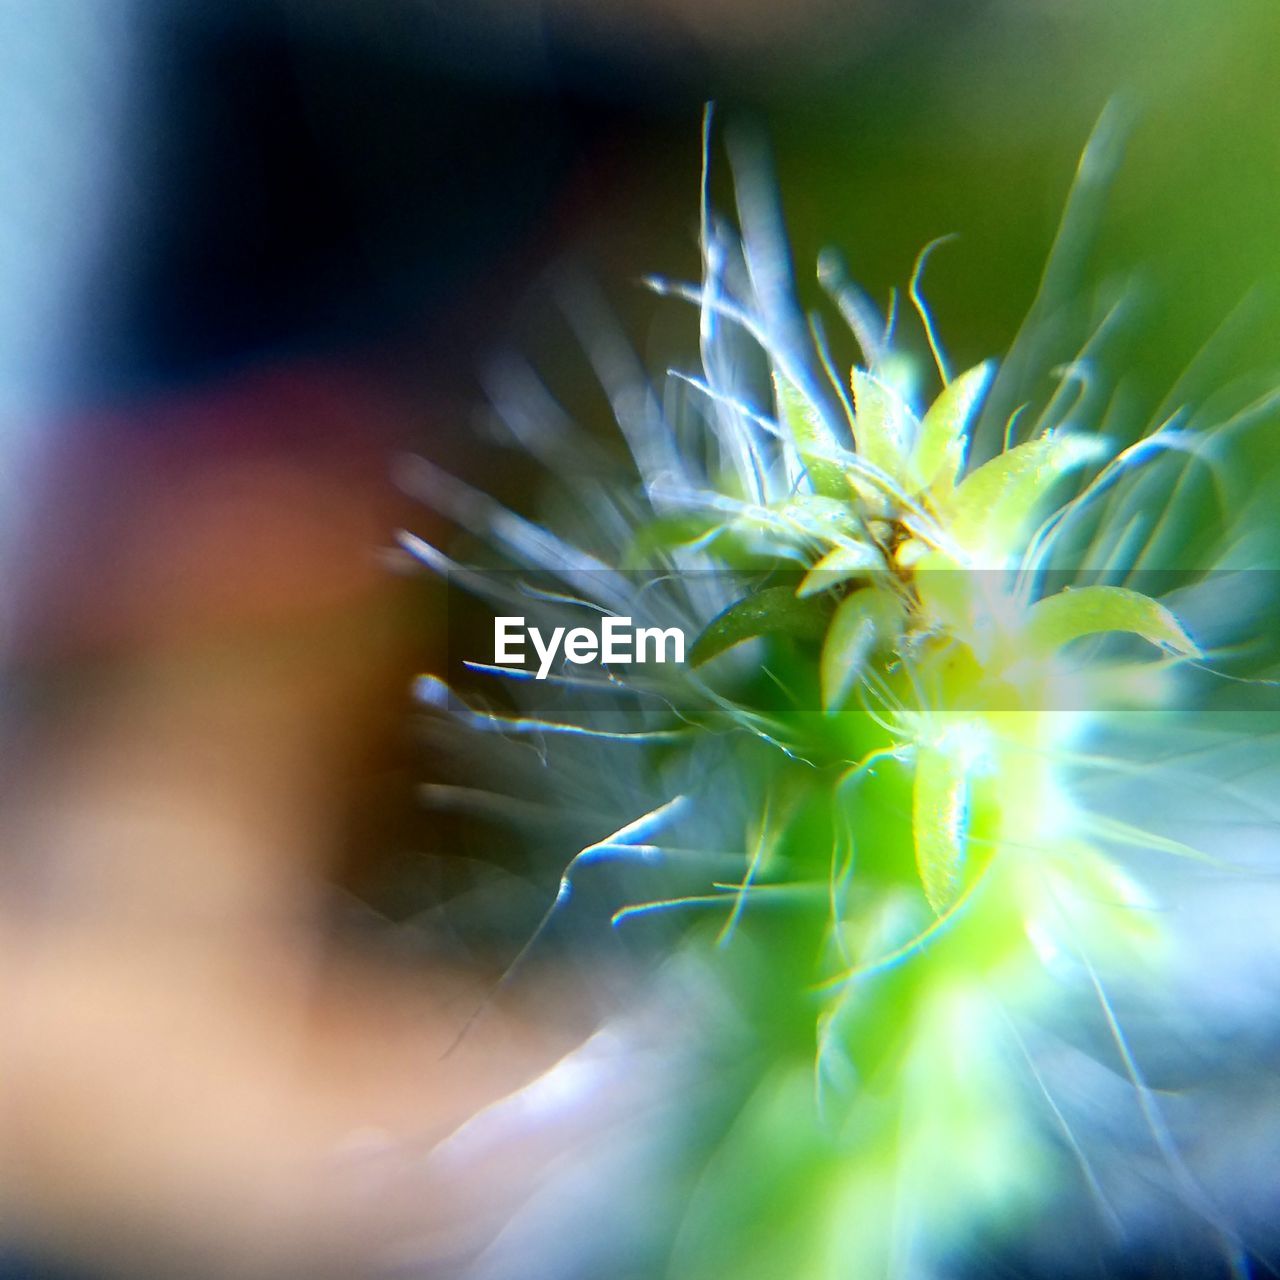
{"x":249,"y":252}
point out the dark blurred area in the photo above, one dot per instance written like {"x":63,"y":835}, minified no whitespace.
{"x":248,"y":252}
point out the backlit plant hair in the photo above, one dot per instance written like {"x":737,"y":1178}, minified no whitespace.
{"x":916,"y":620}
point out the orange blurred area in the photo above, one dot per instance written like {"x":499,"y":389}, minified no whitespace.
{"x":195,"y":1077}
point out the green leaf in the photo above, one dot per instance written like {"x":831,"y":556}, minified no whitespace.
{"x":850,"y":560}
{"x":863,"y":622}
{"x":812,"y":438}
{"x":1085,"y":611}
{"x":885,"y":428}
{"x":992,"y":505}
{"x":943,"y":439}
{"x":940,"y":818}
{"x":772,"y":611}
{"x":663,"y":533}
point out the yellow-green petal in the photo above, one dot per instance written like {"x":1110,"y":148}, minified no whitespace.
{"x":940,"y":816}
{"x":812,"y":439}
{"x":943,"y":439}
{"x":849,"y":560}
{"x":1084,"y":611}
{"x":991,"y":507}
{"x":884,"y":427}
{"x":863,"y":621}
